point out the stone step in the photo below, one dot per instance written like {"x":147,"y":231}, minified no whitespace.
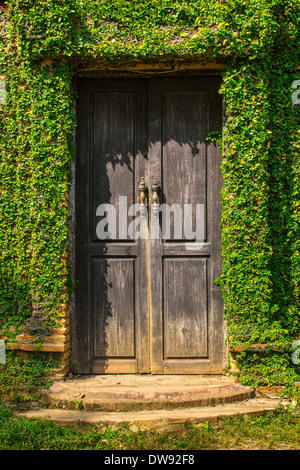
{"x":137,"y":393}
{"x":155,"y":420}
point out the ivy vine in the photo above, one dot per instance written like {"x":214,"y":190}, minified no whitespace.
{"x":41,"y":47}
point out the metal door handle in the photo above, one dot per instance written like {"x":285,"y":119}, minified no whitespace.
{"x":155,"y":205}
{"x":142,"y":189}
{"x":155,"y":191}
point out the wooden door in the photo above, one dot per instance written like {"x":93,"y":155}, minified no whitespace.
{"x":186,"y":305}
{"x":112,"y":333}
{"x":147,"y":304}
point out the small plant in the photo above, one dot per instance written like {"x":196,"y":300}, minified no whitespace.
{"x":78,"y":403}
{"x":22,"y":379}
{"x":207,"y":426}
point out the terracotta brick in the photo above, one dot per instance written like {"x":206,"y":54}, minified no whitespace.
{"x":64,"y":321}
{"x":271,"y":389}
{"x":47,"y":339}
{"x":297,"y":385}
{"x":61,"y":331}
{"x":46,"y":347}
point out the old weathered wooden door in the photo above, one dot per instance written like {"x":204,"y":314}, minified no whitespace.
{"x":147,"y":304}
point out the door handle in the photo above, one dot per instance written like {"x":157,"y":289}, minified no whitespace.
{"x":142,"y":188}
{"x":143,"y":209}
{"x":155,"y":205}
{"x":155,"y":191}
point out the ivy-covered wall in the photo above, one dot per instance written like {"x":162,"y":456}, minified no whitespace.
{"x":43,"y":45}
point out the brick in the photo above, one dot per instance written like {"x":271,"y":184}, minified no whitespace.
{"x":22,"y":338}
{"x":61,"y":331}
{"x":46,"y":347}
{"x":297,"y":384}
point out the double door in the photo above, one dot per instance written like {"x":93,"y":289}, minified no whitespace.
{"x":148,"y":236}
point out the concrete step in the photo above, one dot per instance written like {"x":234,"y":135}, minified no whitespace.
{"x":156,"y":420}
{"x":125,"y":393}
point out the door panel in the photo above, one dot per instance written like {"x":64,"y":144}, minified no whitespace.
{"x":186,"y":316}
{"x":148,"y":305}
{"x":114,"y":314}
{"x":185,"y":308}
{"x":183,"y":153}
{"x":113,"y":158}
{"x":111,"y":302}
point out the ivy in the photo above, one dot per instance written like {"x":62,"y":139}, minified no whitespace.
{"x":23,"y":379}
{"x":41,"y":48}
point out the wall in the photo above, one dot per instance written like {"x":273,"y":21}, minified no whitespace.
{"x":44,"y":45}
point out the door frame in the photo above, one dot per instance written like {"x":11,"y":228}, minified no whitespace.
{"x":197,"y":72}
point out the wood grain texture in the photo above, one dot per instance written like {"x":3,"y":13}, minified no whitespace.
{"x":111,"y":302}
{"x":182,"y":113}
{"x":184,"y":308}
{"x":113,"y":307}
{"x":148,"y":305}
{"x":183,"y":166}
